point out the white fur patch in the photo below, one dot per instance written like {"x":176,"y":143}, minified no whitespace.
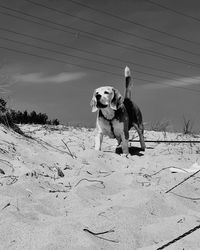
{"x":105,"y":127}
{"x":127,"y":71}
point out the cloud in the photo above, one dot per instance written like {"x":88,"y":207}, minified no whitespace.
{"x":41,"y":78}
{"x":8,"y":78}
{"x":179,"y":82}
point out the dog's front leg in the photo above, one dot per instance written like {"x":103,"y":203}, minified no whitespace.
{"x":98,"y":141}
{"x":125,"y":146}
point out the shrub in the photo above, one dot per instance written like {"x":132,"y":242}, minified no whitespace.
{"x":160,"y":126}
{"x":187,"y":126}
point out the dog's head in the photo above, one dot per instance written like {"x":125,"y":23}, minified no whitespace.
{"x":104,"y":97}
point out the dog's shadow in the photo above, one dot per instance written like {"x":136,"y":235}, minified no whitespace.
{"x":132,"y":151}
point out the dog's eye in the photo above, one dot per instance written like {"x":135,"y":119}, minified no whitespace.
{"x":106,"y":92}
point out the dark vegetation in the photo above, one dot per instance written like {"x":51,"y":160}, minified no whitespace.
{"x":187,"y":126}
{"x":11,"y":118}
{"x":31,"y":118}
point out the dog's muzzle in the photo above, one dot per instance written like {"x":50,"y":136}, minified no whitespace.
{"x":99,"y":103}
{"x":98,"y":97}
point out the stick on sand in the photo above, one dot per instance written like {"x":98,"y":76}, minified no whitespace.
{"x":179,"y":237}
{"x":102,"y":238}
{"x":182,"y":181}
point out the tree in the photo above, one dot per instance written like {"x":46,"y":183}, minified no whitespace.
{"x":25,"y":117}
{"x":19,"y":116}
{"x":55,"y":122}
{"x":33,"y":117}
{"x":42,"y":118}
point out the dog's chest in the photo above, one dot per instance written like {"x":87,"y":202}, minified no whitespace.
{"x":113,"y":129}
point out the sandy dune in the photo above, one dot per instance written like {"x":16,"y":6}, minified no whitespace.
{"x":56,"y":191}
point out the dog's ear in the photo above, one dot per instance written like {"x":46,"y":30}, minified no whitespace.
{"x":93,"y":103}
{"x":117,"y":100}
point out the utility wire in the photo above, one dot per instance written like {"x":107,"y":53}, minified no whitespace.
{"x":63,"y":45}
{"x":66,"y":62}
{"x":172,"y":10}
{"x":133,"y":22}
{"x":86,"y":67}
{"x":58,"y":60}
{"x":82,"y":58}
{"x":59,"y":52}
{"x":113,"y":28}
{"x":38,"y":23}
{"x":110,"y":41}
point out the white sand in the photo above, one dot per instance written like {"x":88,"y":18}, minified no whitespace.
{"x":99,"y":191}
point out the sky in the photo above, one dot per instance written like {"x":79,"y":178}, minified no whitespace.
{"x":54,"y":53}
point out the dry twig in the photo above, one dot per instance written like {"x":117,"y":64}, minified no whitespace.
{"x":165,"y":169}
{"x":8,"y":164}
{"x":12,"y":177}
{"x":179,"y":237}
{"x":58,"y":191}
{"x":187,"y":197}
{"x":97,"y":234}
{"x":7,"y":205}
{"x":183,"y":181}
{"x":36,"y":175}
{"x":84,"y":179}
{"x":72,"y":155}
{"x":106,"y":173}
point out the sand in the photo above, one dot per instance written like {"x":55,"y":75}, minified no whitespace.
{"x":55,"y":196}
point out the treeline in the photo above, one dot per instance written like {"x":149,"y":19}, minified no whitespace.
{"x":18,"y":117}
{"x":31,"y":118}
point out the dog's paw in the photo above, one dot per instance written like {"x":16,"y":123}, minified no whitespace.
{"x":125,"y":155}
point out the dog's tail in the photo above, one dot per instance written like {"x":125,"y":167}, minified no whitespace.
{"x":128,"y":83}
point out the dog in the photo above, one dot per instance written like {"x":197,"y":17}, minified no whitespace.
{"x":117,"y":114}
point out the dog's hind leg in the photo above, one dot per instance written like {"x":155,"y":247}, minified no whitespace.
{"x":140,"y":131}
{"x":119,"y":140}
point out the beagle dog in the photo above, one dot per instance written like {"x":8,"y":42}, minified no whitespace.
{"x":117,"y":114}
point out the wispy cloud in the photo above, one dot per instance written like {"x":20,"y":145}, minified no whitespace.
{"x":42,"y":78}
{"x":179,"y":82}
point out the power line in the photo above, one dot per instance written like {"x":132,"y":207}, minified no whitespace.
{"x":92,"y":53}
{"x":133,"y":22}
{"x":82,"y":58}
{"x":113,"y":28}
{"x":109,"y":41}
{"x":57,"y":60}
{"x":174,"y":11}
{"x":59,"y":52}
{"x":86,"y":67}
{"x":35,"y":22}
{"x":66,"y":63}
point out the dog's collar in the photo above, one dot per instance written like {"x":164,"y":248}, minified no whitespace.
{"x":109,"y":120}
{"x":102,"y":115}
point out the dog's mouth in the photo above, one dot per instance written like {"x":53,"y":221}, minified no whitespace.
{"x":101,"y":105}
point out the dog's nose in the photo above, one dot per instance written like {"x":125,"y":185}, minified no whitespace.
{"x":98,"y":96}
